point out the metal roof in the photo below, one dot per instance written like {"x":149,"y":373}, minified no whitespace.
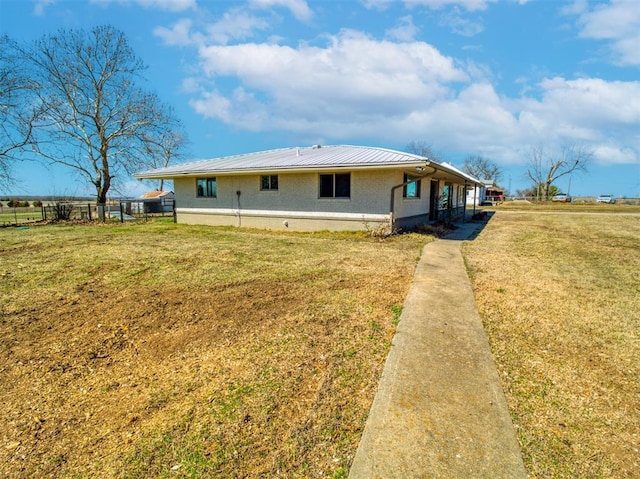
{"x":298,"y":159}
{"x":461,"y":173}
{"x":314,"y":157}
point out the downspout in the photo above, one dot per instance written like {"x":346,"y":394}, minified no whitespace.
{"x":402,"y":185}
{"x":238,"y":193}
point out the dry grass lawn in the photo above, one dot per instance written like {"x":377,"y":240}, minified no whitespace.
{"x":559,"y":294}
{"x":164,"y":350}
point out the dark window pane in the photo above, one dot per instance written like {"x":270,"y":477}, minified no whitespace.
{"x":206,"y":187}
{"x":343,"y":185}
{"x":264,"y":183}
{"x":274,"y":182}
{"x":212,"y":188}
{"x":326,"y":186}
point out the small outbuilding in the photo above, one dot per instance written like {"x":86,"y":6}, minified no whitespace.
{"x":155,"y":202}
{"x":485,"y":193}
{"x":317,"y":188}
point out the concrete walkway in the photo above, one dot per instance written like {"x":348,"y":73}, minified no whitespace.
{"x":439,"y":411}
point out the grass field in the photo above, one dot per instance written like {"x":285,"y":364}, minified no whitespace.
{"x":13,"y":216}
{"x":162,"y":350}
{"x":559,"y":293}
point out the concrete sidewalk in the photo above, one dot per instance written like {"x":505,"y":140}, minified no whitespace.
{"x":439,"y":411}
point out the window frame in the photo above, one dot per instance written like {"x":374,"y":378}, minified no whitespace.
{"x":270,"y":180}
{"x":334,"y":186}
{"x":405,"y":189}
{"x":207,"y":187}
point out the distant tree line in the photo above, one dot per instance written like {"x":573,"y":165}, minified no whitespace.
{"x":546,"y":165}
{"x":72,"y":98}
{"x":22,"y":204}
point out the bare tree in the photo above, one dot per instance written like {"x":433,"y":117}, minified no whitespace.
{"x":165,"y":145}
{"x":421,"y":148}
{"x":482,"y":168}
{"x":547,"y":166}
{"x":95,"y":119}
{"x":18,"y":113}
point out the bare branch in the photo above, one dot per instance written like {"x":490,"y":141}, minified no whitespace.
{"x":482,"y":168}
{"x":547,"y":166}
{"x":93,"y":118}
{"x":421,"y":148}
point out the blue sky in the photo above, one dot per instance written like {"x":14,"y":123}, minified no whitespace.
{"x":481,"y":77}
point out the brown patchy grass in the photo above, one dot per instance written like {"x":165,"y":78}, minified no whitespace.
{"x":560,"y":298}
{"x":164,"y":350}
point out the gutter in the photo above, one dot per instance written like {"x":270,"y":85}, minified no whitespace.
{"x":148,"y":175}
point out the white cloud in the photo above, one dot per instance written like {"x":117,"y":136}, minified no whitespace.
{"x":470,"y":5}
{"x":603,"y":115}
{"x":41,"y":5}
{"x":590,"y":110}
{"x":235,"y":24}
{"x":190,"y":85}
{"x":352,"y":75}
{"x":213,"y":105}
{"x":617,"y":22}
{"x":461,"y":25}
{"x":405,"y":31}
{"x":170,"y":5}
{"x":576,"y":8}
{"x":614,"y":154}
{"x":179,"y":34}
{"x":298,"y":8}
{"x":357,"y":87}
{"x":593,"y":101}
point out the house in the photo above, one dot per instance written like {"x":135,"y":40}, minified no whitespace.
{"x":485,"y":193}
{"x":317,"y":188}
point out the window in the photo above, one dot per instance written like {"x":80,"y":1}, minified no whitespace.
{"x":206,"y":188}
{"x":445,"y":197}
{"x":335,"y":185}
{"x":269,"y":182}
{"x":412,"y":190}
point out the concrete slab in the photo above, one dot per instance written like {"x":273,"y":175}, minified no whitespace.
{"x":439,"y":411}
